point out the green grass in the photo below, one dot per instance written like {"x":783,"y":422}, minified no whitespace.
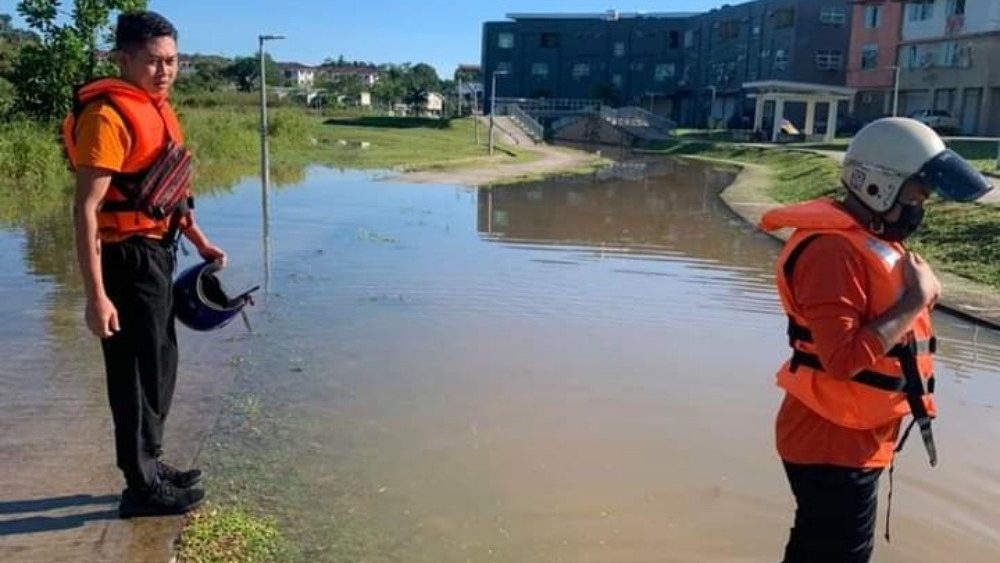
{"x":34,"y":181}
{"x":33,"y":176}
{"x":231,"y":535}
{"x":963,"y":239}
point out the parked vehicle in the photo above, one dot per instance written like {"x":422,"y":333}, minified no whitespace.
{"x":939,"y":120}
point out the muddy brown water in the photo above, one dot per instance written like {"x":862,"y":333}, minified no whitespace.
{"x":577,"y":370}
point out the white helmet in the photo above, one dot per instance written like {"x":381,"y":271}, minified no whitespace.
{"x":888,"y":152}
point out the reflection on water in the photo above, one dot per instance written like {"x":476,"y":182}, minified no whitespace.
{"x":572,"y":371}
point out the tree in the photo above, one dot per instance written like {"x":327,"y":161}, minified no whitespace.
{"x":208,"y":75}
{"x":66,"y":55}
{"x":416,"y":99}
{"x":245,"y":72}
{"x":424,"y":76}
{"x":349,"y":86}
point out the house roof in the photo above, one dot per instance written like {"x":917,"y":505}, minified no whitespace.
{"x":610,"y":15}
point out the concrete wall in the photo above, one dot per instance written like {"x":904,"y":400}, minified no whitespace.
{"x":980,"y":16}
{"x":972,"y":87}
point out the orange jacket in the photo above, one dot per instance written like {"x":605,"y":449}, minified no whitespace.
{"x":151,"y":124}
{"x":877,"y":396}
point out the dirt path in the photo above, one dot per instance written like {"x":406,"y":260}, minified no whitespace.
{"x":552,"y":160}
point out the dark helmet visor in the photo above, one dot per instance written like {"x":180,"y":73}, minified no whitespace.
{"x":953,"y":178}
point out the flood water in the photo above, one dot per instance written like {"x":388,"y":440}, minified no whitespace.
{"x":577,"y":370}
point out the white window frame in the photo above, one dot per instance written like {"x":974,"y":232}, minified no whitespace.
{"x":505,"y":40}
{"x":664,"y":71}
{"x":781,"y":59}
{"x":869,"y":52}
{"x":832,"y":15}
{"x":919,"y":11}
{"x":873,"y":16}
{"x":829,"y":59}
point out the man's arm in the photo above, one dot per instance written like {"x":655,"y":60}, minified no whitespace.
{"x":91,"y":186}
{"x":206,"y":249}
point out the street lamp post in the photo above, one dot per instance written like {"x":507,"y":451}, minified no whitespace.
{"x":711,"y":109}
{"x":493,"y":104}
{"x":895,"y":90}
{"x":265,"y":174}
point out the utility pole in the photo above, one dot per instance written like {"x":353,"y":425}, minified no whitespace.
{"x":265,"y":174}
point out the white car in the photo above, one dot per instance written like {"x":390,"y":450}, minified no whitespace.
{"x":939,"y":120}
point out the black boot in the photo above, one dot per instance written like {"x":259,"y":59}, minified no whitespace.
{"x":162,"y":499}
{"x":176,"y":477}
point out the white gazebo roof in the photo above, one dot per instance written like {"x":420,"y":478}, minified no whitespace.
{"x":804,"y":88}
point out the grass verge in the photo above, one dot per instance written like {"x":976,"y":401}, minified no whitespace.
{"x":230,"y":535}
{"x":963,"y":239}
{"x":34,"y":180}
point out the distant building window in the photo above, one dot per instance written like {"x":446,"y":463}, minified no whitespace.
{"x":548,"y":40}
{"x":827,"y":59}
{"x":956,"y":55}
{"x":784,"y":18}
{"x":688,"y":39}
{"x":664,"y":72}
{"x":616,"y":79}
{"x":505,"y":40}
{"x":540,"y":69}
{"x":581,"y":70}
{"x":637,"y":66}
{"x":833,"y":15}
{"x":619,"y":49}
{"x":674,"y":40}
{"x":504,"y":67}
{"x":955,"y":8}
{"x":869,"y":56}
{"x":920,"y":11}
{"x":755,"y":31}
{"x":873,"y":16}
{"x":911,"y":61}
{"x":780,"y":59}
{"x":729,"y":30}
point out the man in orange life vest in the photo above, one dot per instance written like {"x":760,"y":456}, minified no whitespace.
{"x":858,"y":304}
{"x":127,"y":220}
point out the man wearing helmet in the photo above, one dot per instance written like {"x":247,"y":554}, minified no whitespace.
{"x":132,"y":198}
{"x":858,"y":305}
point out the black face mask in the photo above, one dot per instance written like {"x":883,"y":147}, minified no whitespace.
{"x":908,"y":222}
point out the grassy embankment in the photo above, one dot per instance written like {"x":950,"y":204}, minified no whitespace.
{"x":34,"y":180}
{"x":963,"y":239}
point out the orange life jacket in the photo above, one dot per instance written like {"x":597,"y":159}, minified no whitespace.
{"x":151,"y":124}
{"x":902,"y":381}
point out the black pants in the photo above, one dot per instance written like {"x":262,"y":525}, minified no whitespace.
{"x":835,"y":514}
{"x":141,"y":359}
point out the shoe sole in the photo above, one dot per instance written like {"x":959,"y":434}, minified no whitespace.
{"x":128,"y":514}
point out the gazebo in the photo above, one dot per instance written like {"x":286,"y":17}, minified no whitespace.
{"x":782,"y":92}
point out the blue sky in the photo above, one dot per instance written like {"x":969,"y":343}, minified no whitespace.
{"x":440,"y":32}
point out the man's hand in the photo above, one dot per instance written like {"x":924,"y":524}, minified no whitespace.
{"x":921,"y":284}
{"x":212,"y":253}
{"x":102,"y":317}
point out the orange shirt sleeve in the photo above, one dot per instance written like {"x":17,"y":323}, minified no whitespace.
{"x":102,"y":138}
{"x":829,"y":286}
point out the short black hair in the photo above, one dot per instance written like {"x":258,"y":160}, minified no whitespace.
{"x":135,"y":28}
